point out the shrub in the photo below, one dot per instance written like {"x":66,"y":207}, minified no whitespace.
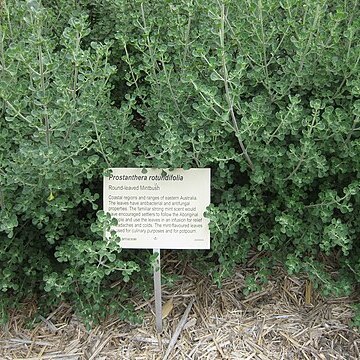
{"x":266,"y":94}
{"x":58,"y":129}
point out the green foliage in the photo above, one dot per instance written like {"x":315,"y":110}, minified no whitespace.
{"x":254,"y":282}
{"x":57,"y":130}
{"x":266,"y":94}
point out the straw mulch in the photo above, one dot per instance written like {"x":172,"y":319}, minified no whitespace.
{"x":286,"y":320}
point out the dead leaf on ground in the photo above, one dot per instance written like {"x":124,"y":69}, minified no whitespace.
{"x":168,"y":306}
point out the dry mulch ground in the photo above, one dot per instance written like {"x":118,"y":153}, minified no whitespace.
{"x":286,"y":320}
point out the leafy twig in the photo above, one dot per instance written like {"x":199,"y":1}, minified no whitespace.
{"x":227,"y":90}
{"x":43,"y":88}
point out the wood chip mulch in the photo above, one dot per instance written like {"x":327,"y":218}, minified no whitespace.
{"x":286,"y":320}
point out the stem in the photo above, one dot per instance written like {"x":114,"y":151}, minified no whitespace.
{"x":306,"y":50}
{"x":195,"y":154}
{"x":207,"y":101}
{"x":328,"y":203}
{"x":74,"y":88}
{"x":154,"y":67}
{"x":187,"y":34}
{"x":302,"y":157}
{"x":263,"y":41}
{"x":100,"y":143}
{"x":279,"y":126}
{"x":353,"y":128}
{"x":43,"y":88}
{"x":72,"y":155}
{"x":8,"y":17}
{"x":297,"y":166}
{"x":17,"y":112}
{"x":130,"y":67}
{"x":167,"y":76}
{"x":2,"y":201}
{"x":210,"y":66}
{"x":76,"y":69}
{"x":340,"y":89}
{"x":2,"y":37}
{"x":148,"y":40}
{"x":227,"y":90}
{"x":305,"y":53}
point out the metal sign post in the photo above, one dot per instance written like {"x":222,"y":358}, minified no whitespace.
{"x":157,"y":288}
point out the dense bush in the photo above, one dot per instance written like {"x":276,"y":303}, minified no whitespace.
{"x":267,"y":94}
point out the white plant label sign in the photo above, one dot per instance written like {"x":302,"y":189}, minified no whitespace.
{"x":159,"y":209}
